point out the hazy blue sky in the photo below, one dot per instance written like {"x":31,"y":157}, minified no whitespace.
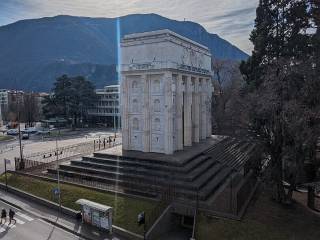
{"x":231,"y":19}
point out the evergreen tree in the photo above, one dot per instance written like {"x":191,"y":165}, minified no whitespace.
{"x":70,"y":99}
{"x":283,"y":85}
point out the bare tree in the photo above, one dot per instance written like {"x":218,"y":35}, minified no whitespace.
{"x":228,"y":83}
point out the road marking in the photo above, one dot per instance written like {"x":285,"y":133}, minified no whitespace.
{"x":19,"y":221}
{"x":9,"y":226}
{"x":2,"y":229}
{"x":25,"y":216}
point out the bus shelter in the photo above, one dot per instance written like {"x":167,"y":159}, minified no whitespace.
{"x":96,"y":214}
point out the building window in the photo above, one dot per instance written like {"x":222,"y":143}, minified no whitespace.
{"x":135,"y":105}
{"x":156,"y":124}
{"x":135,"y":124}
{"x":156,"y":104}
{"x":156,"y":86}
{"x":134,"y":86}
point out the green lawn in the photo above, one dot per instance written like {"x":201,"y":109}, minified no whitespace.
{"x":265,"y":220}
{"x":125,"y":209}
{"x":5,"y":138}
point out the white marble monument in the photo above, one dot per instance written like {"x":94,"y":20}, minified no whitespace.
{"x":166,"y":92}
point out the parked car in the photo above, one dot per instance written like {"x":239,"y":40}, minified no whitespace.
{"x":13,"y":132}
{"x":30,"y":130}
{"x":44,"y":131}
{"x":25,"y":136}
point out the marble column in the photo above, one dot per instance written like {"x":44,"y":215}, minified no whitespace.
{"x":168,"y":114}
{"x":203,"y":110}
{"x":124,"y":109}
{"x":187,"y":112}
{"x":196,"y":111}
{"x":179,"y":112}
{"x":146,"y":113}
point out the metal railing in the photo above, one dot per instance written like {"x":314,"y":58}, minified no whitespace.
{"x":42,"y":160}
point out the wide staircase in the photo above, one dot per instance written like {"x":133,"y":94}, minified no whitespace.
{"x":199,"y":177}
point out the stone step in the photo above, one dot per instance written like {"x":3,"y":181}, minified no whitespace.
{"x":134,"y":176}
{"x":227,"y":154}
{"x":240,"y":157}
{"x":112,"y":174}
{"x":194,"y":163}
{"x":200,"y":170}
{"x":220,"y":145}
{"x":136,"y":188}
{"x":132,"y":163}
{"x":214,"y":183}
{"x":210,"y":200}
{"x":138,"y":169}
{"x":142,"y":170}
{"x":125,"y":158}
{"x":203,"y":179}
{"x":149,"y":165}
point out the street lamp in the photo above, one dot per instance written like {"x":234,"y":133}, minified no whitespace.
{"x":58,"y":172}
{"x":114,"y":116}
{"x":57,"y":158}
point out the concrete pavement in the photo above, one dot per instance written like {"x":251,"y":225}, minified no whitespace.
{"x":55,"y":220}
{"x":12,"y":150}
{"x":29,"y":227}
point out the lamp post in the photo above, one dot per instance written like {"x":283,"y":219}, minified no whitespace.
{"x":57,"y":156}
{"x":114,"y":117}
{"x":58,"y":172}
{"x":5,"y":172}
{"x":195,"y":217}
{"x":19,"y":131}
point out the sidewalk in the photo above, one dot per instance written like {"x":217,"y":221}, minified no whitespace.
{"x":60,"y":220}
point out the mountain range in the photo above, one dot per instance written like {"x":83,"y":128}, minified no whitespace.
{"x":33,"y":53}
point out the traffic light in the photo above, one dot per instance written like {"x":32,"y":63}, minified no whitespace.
{"x":141,"y":218}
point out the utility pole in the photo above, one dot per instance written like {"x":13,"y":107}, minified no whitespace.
{"x":1,"y":121}
{"x":19,"y":129}
{"x":114,"y":116}
{"x":195,"y":217}
{"x":58,"y":173}
{"x":5,"y":172}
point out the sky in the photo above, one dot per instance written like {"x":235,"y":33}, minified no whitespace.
{"x":232,"y":20}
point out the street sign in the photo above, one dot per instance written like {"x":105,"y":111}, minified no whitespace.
{"x":7,"y":161}
{"x":55,"y":191}
{"x":141,"y":218}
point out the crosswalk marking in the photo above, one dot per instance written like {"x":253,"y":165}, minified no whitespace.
{"x":9,"y":225}
{"x":4,"y":227}
{"x":25,"y":216}
{"x":18,"y":221}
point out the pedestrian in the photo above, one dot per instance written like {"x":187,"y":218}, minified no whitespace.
{"x":11,"y":216}
{"x":3,"y":215}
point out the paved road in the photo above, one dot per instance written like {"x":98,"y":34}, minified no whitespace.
{"x":28,"y":227}
{"x":12,"y":150}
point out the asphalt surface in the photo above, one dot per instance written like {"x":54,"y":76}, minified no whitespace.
{"x":10,"y":150}
{"x":28,"y":227}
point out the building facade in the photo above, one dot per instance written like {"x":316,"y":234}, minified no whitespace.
{"x":166,"y":92}
{"x":106,"y":110}
{"x":3,"y":103}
